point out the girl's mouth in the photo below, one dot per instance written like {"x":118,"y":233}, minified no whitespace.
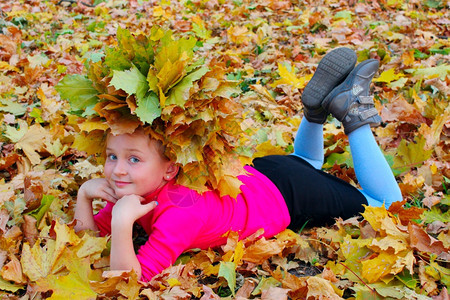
{"x":121,"y":184}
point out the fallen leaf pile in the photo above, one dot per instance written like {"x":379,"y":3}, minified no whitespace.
{"x":269,"y":50}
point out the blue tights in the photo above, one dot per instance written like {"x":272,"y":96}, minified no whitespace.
{"x":372,"y":171}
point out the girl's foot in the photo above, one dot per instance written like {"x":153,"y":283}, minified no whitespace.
{"x":350,"y":102}
{"x":331,"y":71}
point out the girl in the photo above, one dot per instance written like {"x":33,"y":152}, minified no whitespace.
{"x":276,"y":192}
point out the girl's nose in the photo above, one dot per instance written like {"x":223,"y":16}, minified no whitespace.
{"x":120,"y":168}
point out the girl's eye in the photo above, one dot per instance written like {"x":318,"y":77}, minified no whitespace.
{"x":112,"y":157}
{"x":134,"y":160}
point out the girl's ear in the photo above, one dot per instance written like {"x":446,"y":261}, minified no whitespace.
{"x":171,"y":171}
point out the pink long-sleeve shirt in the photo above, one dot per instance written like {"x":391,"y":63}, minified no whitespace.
{"x":185,"y":220}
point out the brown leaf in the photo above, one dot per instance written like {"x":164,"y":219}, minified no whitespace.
{"x":247,"y":288}
{"x":29,"y":229}
{"x":261,"y":250}
{"x":274,"y":293}
{"x":422,"y":241}
{"x":4,"y":217}
{"x":319,"y":288}
{"x":209,"y":294}
{"x":428,"y":282}
{"x":13,"y":271}
{"x":400,"y":110}
{"x":33,"y":193}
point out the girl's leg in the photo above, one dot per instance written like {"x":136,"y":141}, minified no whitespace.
{"x":372,"y":170}
{"x":351,"y":104}
{"x":331,"y":71}
{"x":308,"y":143}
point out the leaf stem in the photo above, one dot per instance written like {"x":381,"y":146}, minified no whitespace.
{"x":371,"y":289}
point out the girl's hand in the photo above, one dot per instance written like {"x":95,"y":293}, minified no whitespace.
{"x":91,"y":189}
{"x":97,"y":188}
{"x":129,"y":208}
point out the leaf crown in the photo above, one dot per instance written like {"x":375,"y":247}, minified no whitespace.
{"x":158,"y":82}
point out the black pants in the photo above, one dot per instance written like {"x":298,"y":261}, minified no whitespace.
{"x":311,"y":195}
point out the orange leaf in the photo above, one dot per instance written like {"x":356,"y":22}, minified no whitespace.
{"x":405,"y":215}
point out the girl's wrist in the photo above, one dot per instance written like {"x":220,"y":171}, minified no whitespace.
{"x":83,"y":196}
{"x":121,"y":223}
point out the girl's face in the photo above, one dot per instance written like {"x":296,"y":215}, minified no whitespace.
{"x":134,"y":164}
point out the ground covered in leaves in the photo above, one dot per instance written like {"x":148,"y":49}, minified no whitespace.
{"x":270,"y":48}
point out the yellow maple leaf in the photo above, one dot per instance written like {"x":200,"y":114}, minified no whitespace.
{"x":389,"y":242}
{"x":376,"y":268}
{"x":91,"y":143}
{"x":158,"y":11}
{"x":29,"y":139}
{"x":320,"y":288}
{"x":289,"y":77}
{"x":91,"y":246}
{"x":130,"y":289}
{"x":229,"y":185}
{"x":404,"y":260}
{"x":7,"y":67}
{"x":408,"y":58}
{"x":388,"y":76}
{"x":74,"y":285}
{"x":90,"y":125}
{"x":37,"y":261}
{"x":432,"y":134}
{"x":239,"y":253}
{"x":173,"y":282}
{"x":239,"y":34}
{"x":64,"y":236}
{"x":55,"y":148}
{"x":171,"y":73}
{"x":266,"y":148}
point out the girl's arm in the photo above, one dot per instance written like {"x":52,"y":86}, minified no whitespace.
{"x":125,"y":212}
{"x":91,"y":189}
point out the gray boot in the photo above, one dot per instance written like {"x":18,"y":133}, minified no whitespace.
{"x":350,"y":102}
{"x":331,"y":71}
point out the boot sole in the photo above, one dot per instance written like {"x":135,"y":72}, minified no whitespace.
{"x":345,"y":85}
{"x":330,"y":72}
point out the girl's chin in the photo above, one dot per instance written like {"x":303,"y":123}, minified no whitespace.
{"x":122,"y":193}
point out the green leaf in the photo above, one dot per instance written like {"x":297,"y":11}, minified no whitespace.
{"x":14,"y":134}
{"x":116,"y":59}
{"x":8,"y":286}
{"x":131,"y":81}
{"x":407,"y":279}
{"x":227,"y":270}
{"x":264,"y":284}
{"x":12,"y":107}
{"x":411,"y":154}
{"x":435,"y":214}
{"x":180,"y":93}
{"x":138,"y":51}
{"x":174,"y":50}
{"x":344,"y":15}
{"x":440,"y":71}
{"x":93,"y":56}
{"x":148,"y":108}
{"x":78,"y":90}
{"x":200,"y":30}
{"x":340,"y":159}
{"x":344,"y":158}
{"x":39,"y":212}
